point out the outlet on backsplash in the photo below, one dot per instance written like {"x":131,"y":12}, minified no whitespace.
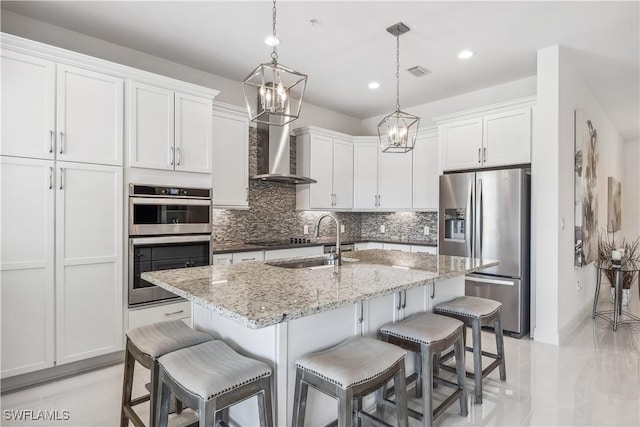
{"x":426,"y":230}
{"x":342,"y":228}
{"x":305,"y":229}
{"x":383,"y":229}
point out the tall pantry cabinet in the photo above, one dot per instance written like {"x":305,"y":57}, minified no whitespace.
{"x":61,"y":213}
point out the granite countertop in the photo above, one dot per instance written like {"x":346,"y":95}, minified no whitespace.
{"x":221,"y":248}
{"x":258,"y":295}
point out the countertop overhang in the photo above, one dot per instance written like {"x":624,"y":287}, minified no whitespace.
{"x":258,"y":295}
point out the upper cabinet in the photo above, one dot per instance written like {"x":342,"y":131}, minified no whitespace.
{"x":169,"y":130}
{"x":382,"y":181}
{"x":56,"y":111}
{"x":326,"y":157}
{"x":498,"y":135}
{"x":230,"y":179}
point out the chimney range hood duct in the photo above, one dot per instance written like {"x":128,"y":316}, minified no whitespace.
{"x":273,"y":156}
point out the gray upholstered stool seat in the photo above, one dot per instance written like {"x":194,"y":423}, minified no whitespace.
{"x":427,"y":334}
{"x":146,"y":344}
{"x":476,"y":313}
{"x":210,"y":377}
{"x":347,"y":372}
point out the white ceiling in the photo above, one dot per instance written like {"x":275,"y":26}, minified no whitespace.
{"x":348,"y":46}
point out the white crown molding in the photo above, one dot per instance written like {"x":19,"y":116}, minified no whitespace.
{"x":223,"y":107}
{"x":64,"y":56}
{"x":331,"y":133}
{"x":529,"y":101}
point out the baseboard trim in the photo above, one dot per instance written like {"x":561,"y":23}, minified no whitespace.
{"x":57,"y":372}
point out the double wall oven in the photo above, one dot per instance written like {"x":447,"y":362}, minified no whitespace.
{"x":168,"y":228}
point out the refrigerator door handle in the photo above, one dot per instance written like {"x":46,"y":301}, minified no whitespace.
{"x":491,"y":281}
{"x":470,"y":219}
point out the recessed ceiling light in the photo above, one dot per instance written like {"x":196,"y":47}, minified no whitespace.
{"x":271,"y":41}
{"x":374,"y":85}
{"x":465,"y":54}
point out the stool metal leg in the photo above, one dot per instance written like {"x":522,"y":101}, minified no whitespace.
{"x":163,"y":397}
{"x":477,"y":359}
{"x":345,"y":408}
{"x":357,"y":407}
{"x":127,"y":385}
{"x":400,"y":387}
{"x":299,"y":400}
{"x":207,"y":410}
{"x":418,"y":363}
{"x":427,"y":383}
{"x":153,"y":407}
{"x":264,"y":403}
{"x":459,"y":351}
{"x":500,"y":348}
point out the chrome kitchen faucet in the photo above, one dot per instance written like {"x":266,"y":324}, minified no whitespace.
{"x":337,"y":256}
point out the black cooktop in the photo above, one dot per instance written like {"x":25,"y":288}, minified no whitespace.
{"x":284,"y":242}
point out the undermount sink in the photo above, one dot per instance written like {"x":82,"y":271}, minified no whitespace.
{"x":308,"y":263}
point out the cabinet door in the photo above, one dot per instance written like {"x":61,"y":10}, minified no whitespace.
{"x":27,"y":265}
{"x":507,"y":138}
{"x":365,"y":176}
{"x":461,"y":144}
{"x":395,"y":173}
{"x":230,"y":180}
{"x":433,"y":250}
{"x":222,"y":259}
{"x":414,"y":300}
{"x":240,"y":257}
{"x":28,"y":106}
{"x":380,"y":311}
{"x":396,"y":247}
{"x":89,"y":116}
{"x":342,"y":174}
{"x":89,"y":275}
{"x":194,"y":133}
{"x":321,"y":170}
{"x":425,"y":173}
{"x":151,"y":127}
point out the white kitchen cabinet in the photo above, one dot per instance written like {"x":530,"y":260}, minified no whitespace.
{"x":27,"y":265}
{"x":382,"y":181}
{"x":433,"y":250}
{"x":491,"y":136}
{"x":222,"y":259}
{"x":425,"y":172}
{"x":326,"y":157}
{"x":293,"y":252}
{"x":89,"y":116}
{"x":378,"y":312}
{"x":58,"y":111}
{"x":361,"y":246}
{"x":160,"y":313}
{"x":169,"y":130}
{"x":375,"y":245}
{"x":28,"y":106}
{"x":365,"y":175}
{"x":230,"y":178}
{"x":396,"y":247}
{"x":89,"y":299}
{"x":507,"y":138}
{"x":239,"y":257}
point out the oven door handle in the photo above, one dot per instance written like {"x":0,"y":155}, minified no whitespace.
{"x":169,"y":201}
{"x":168,"y":239}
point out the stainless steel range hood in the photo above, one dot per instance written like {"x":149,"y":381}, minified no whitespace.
{"x":273,"y":156}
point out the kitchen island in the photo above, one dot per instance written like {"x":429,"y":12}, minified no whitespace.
{"x":277,"y":314}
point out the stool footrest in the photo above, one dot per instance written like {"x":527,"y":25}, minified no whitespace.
{"x":373,"y":419}
{"x":486,"y":371}
{"x":133,"y":417}
{"x":139,"y":400}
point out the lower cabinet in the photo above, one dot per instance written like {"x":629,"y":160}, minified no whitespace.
{"x":76,"y":307}
{"x":433,"y":250}
{"x":293,"y":252}
{"x":237,"y":257}
{"x":158,"y":313}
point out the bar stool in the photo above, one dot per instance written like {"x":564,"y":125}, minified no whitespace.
{"x":427,"y":334}
{"x":348,"y":372}
{"x":146,"y":344}
{"x":210,"y":377}
{"x":477,"y":312}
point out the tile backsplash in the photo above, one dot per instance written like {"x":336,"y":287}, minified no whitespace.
{"x":272,"y":215}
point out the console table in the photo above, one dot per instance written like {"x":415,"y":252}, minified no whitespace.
{"x":631,"y":267}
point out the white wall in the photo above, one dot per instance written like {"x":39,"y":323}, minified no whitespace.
{"x":631,"y":191}
{"x":479,"y":98}
{"x":560,"y":91}
{"x":230,"y":90}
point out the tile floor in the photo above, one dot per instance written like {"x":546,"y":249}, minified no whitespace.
{"x":592,"y":380}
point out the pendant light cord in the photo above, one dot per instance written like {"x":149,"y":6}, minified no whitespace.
{"x":398,"y":72}
{"x":274,"y":54}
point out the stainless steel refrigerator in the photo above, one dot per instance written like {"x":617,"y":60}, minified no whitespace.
{"x":486,"y":214}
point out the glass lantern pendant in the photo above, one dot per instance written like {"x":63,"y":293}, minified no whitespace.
{"x":398,"y":130}
{"x":272,"y":92}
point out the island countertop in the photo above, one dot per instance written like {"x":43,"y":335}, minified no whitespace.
{"x":258,"y":295}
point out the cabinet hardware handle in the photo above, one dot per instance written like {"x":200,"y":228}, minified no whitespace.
{"x":178,"y":156}
{"x":61,"y":140}
{"x":484,"y":154}
{"x":399,"y":306}
{"x":361,"y":317}
{"x":249,"y":259}
{"x":174,"y":312}
{"x":61,"y":174}
{"x":51,"y":136}
{"x":404,"y":304}
{"x":50,"y":177}
{"x":433,"y":291}
{"x":479,"y":155}
{"x":379,"y":199}
{"x":172,"y":156}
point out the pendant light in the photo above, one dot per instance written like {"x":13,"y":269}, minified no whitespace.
{"x":273,"y":93}
{"x":398,"y":130}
